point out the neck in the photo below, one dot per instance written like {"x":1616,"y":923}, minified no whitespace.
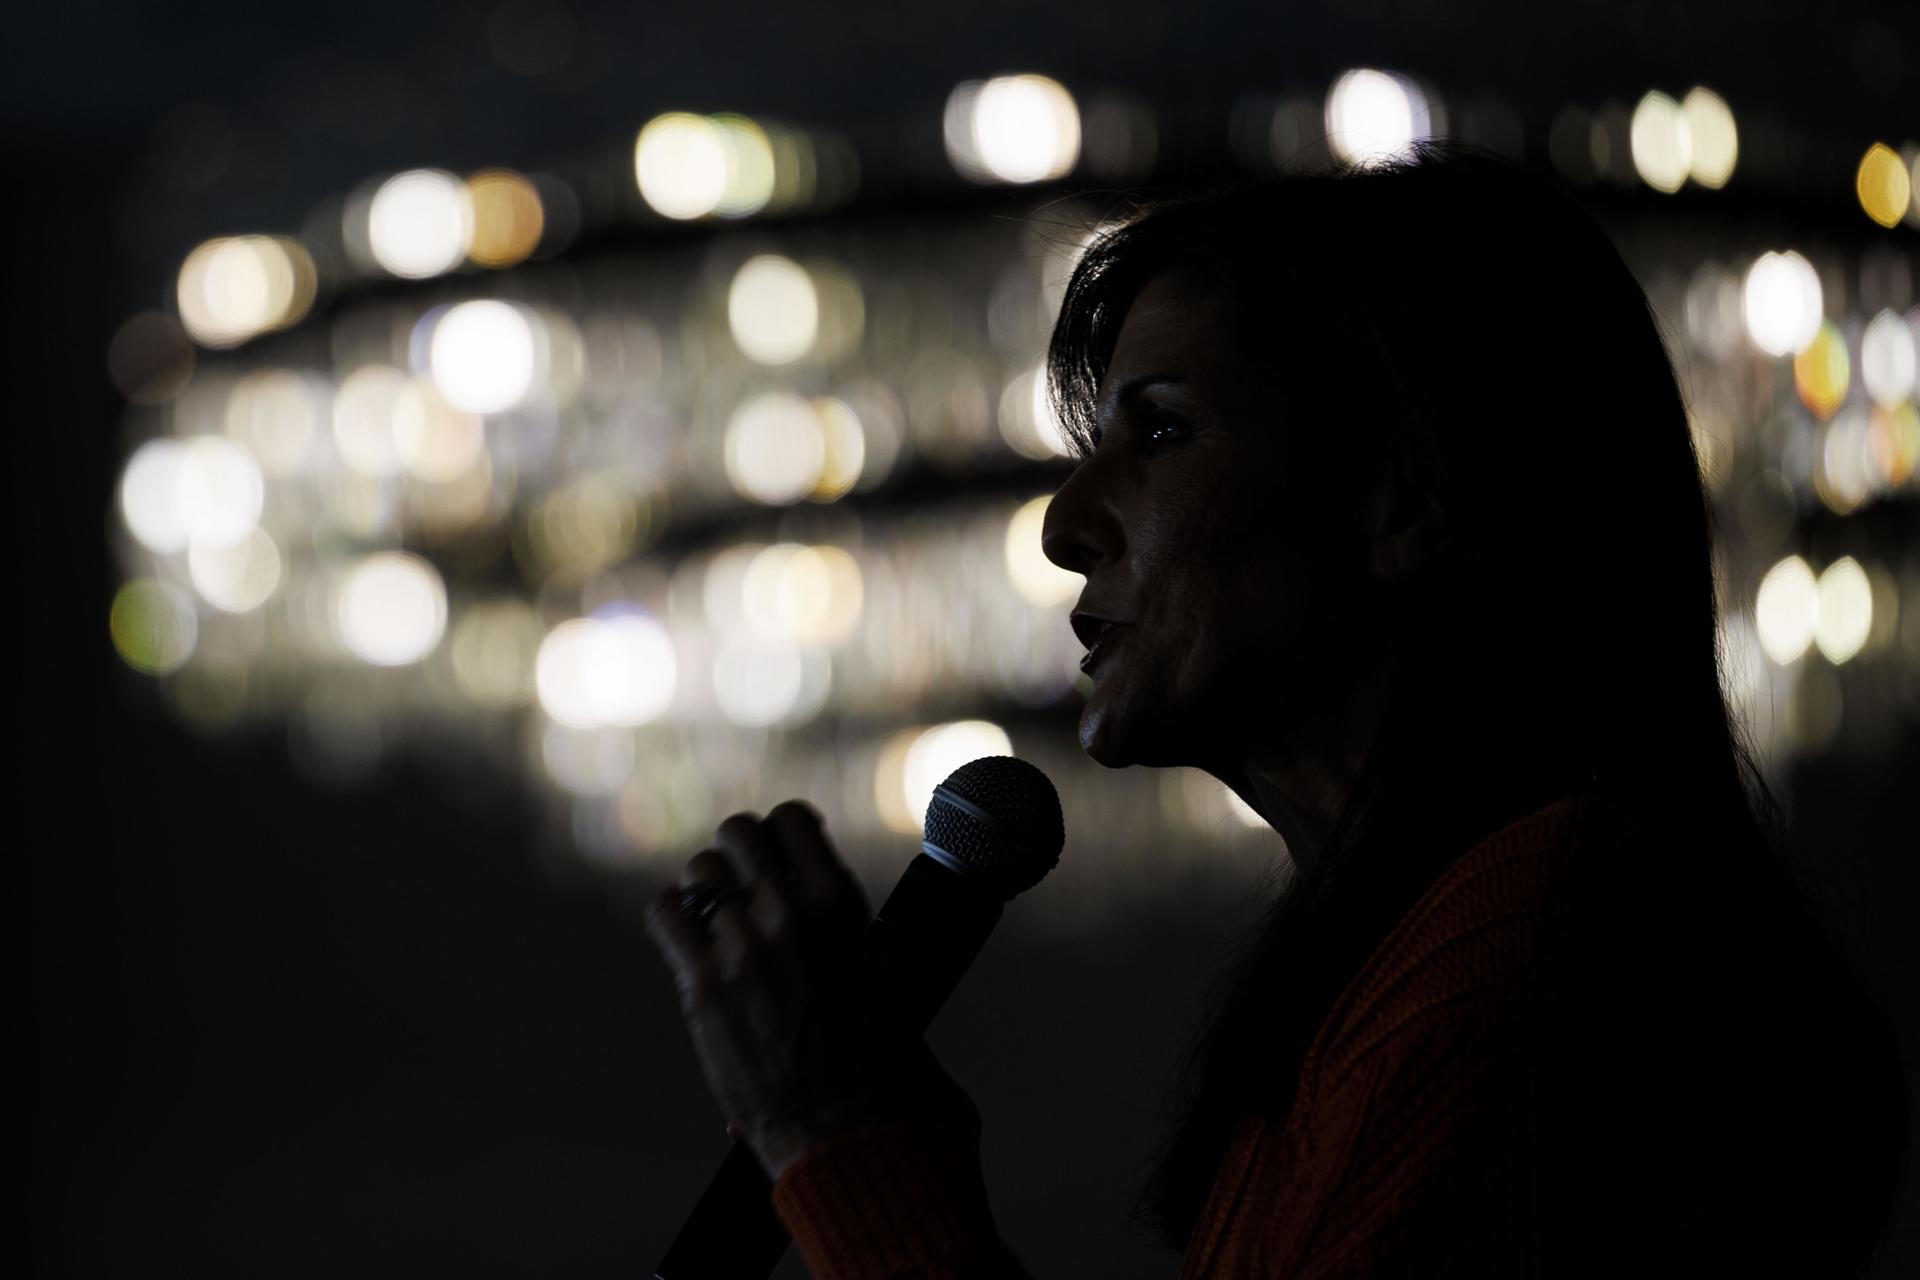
{"x":1299,"y":784}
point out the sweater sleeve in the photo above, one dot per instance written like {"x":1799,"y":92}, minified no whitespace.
{"x":898,"y":1200}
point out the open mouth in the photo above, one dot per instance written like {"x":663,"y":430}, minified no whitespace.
{"x":1103,"y":641}
{"x":1089,"y":627}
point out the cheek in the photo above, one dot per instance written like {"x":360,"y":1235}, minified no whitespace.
{"x":1283,"y":593}
{"x":1235,"y":568}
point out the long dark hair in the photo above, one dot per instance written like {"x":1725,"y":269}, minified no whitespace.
{"x":1569,"y":647}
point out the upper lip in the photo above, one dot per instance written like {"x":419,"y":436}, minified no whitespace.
{"x":1091,"y":626}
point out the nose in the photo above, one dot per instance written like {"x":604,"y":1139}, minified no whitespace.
{"x":1080,"y":529}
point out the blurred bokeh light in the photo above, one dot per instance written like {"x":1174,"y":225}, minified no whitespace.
{"x":420,"y":223}
{"x":679,"y":476}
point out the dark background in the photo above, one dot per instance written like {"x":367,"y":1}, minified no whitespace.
{"x":272,"y":1029}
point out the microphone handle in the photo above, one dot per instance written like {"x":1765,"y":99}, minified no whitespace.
{"x":733,"y":1231}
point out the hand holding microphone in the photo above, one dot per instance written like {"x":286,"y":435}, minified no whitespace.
{"x":807,"y":1011}
{"x":767,"y":939}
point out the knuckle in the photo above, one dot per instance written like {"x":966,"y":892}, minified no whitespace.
{"x":739,"y":823}
{"x":705,"y":864}
{"x":796,"y":808}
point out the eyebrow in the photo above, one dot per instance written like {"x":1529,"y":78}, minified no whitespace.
{"x":1135,"y":385}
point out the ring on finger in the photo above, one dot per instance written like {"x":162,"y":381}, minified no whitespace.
{"x":700,"y":900}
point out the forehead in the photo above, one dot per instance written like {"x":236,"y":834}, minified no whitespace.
{"x":1177,"y":325}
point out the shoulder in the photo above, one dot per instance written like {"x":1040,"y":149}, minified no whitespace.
{"x":1436,"y":1060}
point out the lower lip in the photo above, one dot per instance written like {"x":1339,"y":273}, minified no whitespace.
{"x":1107,"y":640}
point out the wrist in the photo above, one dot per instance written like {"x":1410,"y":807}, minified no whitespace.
{"x":778,"y":1146}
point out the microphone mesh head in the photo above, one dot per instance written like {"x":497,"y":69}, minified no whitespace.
{"x":998,"y":819}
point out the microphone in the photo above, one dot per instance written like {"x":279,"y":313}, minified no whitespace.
{"x":993,"y":830}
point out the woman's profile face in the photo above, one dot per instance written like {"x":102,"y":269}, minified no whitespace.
{"x":1208,"y":522}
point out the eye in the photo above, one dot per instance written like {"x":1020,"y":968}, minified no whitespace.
{"x":1160,"y":430}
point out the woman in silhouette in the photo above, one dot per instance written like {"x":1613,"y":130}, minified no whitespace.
{"x":1390,"y":519}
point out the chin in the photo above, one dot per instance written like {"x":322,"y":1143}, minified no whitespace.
{"x":1111,"y":729}
{"x":1100,"y":736}
{"x":1117,"y":734}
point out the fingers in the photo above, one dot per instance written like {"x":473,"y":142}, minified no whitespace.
{"x":730,"y":931}
{"x":783,"y":860}
{"x":755,"y":846}
{"x":816,"y":867}
{"x":680,"y":940}
{"x":788,"y":856}
{"x":709,"y":866}
{"x":757,"y":852}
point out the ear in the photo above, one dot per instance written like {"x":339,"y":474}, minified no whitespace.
{"x":1407,"y":528}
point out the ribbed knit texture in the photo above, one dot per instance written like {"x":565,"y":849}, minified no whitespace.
{"x":1411,"y":1148}
{"x":891,"y":1202}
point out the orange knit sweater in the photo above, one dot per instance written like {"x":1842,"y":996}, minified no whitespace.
{"x":1410,"y":1110}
